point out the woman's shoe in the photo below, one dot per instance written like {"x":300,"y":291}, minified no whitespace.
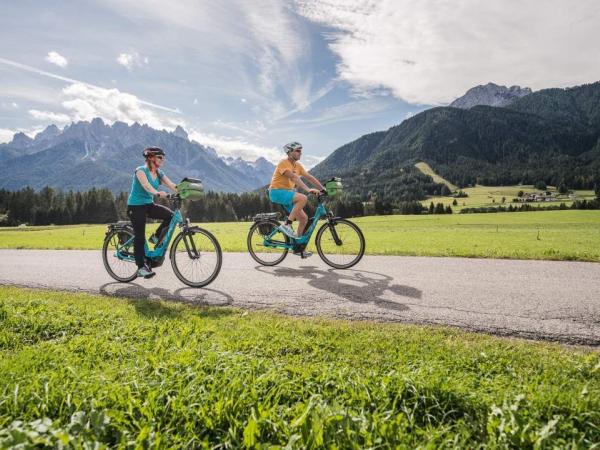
{"x":145,"y":272}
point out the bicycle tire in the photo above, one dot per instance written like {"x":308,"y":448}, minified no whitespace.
{"x":105,"y":257}
{"x":322,"y":253}
{"x":217,"y":251}
{"x":255,"y":229}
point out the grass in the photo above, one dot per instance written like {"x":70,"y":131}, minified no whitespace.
{"x":491,"y":196}
{"x":81,"y":370}
{"x":555,"y":235}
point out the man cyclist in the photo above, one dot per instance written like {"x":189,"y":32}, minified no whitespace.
{"x":286,"y":178}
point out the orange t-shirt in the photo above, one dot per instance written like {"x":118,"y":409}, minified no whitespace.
{"x":280,"y":181}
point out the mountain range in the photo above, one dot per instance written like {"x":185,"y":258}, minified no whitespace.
{"x":93,"y":154}
{"x":552,"y":135}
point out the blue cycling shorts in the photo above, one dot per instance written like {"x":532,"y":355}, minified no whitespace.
{"x":284,"y":197}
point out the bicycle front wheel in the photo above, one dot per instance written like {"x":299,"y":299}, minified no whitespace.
{"x":196,"y":257}
{"x":340,"y":244}
{"x":118,"y":257}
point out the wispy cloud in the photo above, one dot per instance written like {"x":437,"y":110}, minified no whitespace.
{"x":132,"y":60}
{"x":430,"y":52}
{"x":9,"y":105}
{"x":49,"y":116}
{"x":37,"y":71}
{"x":57,"y":59}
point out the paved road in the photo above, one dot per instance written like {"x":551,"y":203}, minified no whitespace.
{"x":549,"y":300}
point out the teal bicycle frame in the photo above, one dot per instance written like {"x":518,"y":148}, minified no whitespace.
{"x":159,"y":252}
{"x":320,"y":212}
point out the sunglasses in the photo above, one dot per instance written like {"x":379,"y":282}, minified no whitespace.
{"x":297,"y":151}
{"x":160,"y":157}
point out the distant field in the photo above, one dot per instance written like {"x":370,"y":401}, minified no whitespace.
{"x":485,"y":196}
{"x":84,"y":371}
{"x":557,"y":235}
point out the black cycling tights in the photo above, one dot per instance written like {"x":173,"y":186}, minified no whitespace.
{"x":137,"y":214}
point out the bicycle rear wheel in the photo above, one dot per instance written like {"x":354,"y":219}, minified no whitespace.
{"x":340,"y":243}
{"x":262,"y":254}
{"x":196,"y":257}
{"x":119,"y":242}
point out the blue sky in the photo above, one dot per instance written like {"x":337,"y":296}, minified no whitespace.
{"x":247,"y":76}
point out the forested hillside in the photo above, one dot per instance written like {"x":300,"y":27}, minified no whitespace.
{"x":551,"y":135}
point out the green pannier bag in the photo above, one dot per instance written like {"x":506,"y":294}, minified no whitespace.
{"x":334,"y":186}
{"x":190,"y":189}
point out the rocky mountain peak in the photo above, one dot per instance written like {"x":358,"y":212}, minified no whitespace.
{"x":180,"y":132}
{"x":20,"y":140}
{"x":263,"y":164}
{"x":50,"y":132}
{"x":490,"y":94}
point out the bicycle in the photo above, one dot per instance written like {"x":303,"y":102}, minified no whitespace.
{"x":340,"y":243}
{"x":194,"y":252}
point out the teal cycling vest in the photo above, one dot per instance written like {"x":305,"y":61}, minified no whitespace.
{"x":138,"y":195}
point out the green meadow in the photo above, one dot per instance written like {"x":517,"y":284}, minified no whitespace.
{"x":556,"y":235}
{"x":84,"y":371}
{"x":491,"y":196}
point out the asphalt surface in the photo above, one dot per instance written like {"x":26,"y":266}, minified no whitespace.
{"x":549,"y":300}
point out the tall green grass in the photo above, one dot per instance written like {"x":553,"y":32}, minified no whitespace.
{"x":558,"y":235}
{"x":86,"y":371}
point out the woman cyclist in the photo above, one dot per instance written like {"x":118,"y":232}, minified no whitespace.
{"x":140,"y":204}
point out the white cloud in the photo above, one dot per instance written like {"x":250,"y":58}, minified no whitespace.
{"x":6,"y":135}
{"x":9,"y":105}
{"x":236,"y":147}
{"x":56,"y":58}
{"x":132,"y":60}
{"x":49,"y":116}
{"x":430,"y":52}
{"x":84,"y":102}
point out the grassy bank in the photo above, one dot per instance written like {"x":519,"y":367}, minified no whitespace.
{"x":558,"y":235}
{"x":77,"y":368}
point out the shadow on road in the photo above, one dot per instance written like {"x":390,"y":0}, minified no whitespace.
{"x":191,"y":296}
{"x":359,"y":286}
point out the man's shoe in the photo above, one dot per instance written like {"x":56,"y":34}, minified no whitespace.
{"x":288,"y":230}
{"x":145,"y":272}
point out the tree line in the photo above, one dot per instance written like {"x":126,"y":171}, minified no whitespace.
{"x":50,"y":206}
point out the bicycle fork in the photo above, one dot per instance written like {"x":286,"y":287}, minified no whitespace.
{"x":190,"y":246}
{"x":336,"y":237}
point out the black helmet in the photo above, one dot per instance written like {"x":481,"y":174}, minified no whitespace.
{"x":153,"y":151}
